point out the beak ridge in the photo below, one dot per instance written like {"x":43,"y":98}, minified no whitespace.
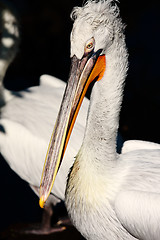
{"x":81,"y":74}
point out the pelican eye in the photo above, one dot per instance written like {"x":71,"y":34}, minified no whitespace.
{"x":89,"y":45}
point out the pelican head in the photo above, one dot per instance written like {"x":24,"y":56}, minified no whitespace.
{"x":95,"y":20}
{"x":96,"y":26}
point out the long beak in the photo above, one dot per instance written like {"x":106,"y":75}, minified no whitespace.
{"x":82,"y":73}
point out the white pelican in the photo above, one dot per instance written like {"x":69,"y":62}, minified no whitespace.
{"x":26,"y":121}
{"x":108,"y":195}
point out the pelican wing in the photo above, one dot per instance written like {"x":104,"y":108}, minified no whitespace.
{"x":22,"y":150}
{"x":133,"y":145}
{"x":26,"y":125}
{"x":139,"y":213}
{"x":48,"y":80}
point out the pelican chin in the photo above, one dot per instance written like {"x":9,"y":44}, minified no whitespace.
{"x":83,"y":71}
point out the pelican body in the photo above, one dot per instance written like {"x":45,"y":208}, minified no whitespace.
{"x":108,"y":195}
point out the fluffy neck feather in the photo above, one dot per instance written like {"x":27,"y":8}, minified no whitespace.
{"x":103,"y":116}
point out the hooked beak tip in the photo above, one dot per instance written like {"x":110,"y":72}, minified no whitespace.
{"x":41,"y":202}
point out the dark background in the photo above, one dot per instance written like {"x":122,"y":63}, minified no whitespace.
{"x":45,"y":32}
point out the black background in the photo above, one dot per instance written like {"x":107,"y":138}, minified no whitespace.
{"x":45,"y":48}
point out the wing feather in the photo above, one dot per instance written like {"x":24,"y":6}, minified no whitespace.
{"x":48,"y":80}
{"x":139,"y":213}
{"x":133,"y":145}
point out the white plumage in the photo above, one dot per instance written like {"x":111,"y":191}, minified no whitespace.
{"x":108,"y":196}
{"x":27,"y":121}
{"x":132,"y":145}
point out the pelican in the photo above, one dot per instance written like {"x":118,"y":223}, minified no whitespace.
{"x":108,"y":195}
{"x":26,"y":122}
